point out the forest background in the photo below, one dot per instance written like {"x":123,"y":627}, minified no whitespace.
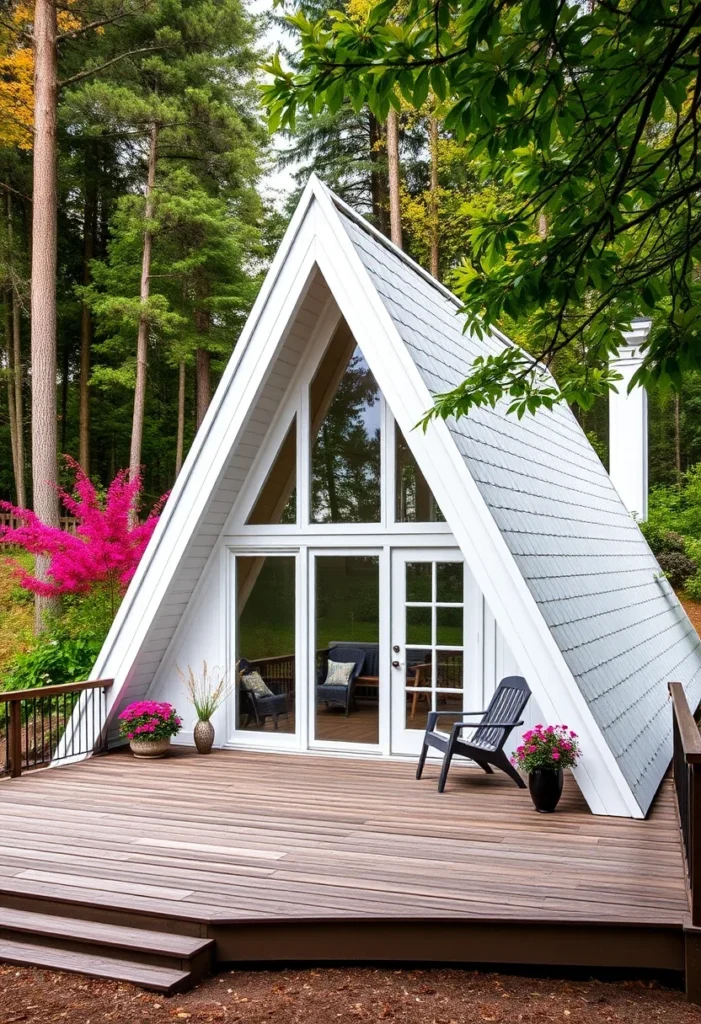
{"x":165,"y":227}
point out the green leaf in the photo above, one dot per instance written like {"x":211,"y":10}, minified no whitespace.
{"x":421,"y":88}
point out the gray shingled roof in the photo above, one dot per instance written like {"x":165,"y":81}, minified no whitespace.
{"x":619,"y":626}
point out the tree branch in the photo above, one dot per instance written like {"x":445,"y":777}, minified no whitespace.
{"x":101,"y":67}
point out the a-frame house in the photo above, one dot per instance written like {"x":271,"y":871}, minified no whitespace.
{"x":310,"y":514}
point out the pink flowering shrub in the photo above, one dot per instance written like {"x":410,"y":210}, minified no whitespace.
{"x":550,"y":747}
{"x":107,"y":545}
{"x":149,"y":720}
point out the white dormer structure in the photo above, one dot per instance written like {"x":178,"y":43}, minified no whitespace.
{"x":628,"y":425}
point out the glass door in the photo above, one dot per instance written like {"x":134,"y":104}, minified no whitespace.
{"x":345,"y":670}
{"x":428,"y":653}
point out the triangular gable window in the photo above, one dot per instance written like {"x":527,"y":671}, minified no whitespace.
{"x":345,"y":408}
{"x":277,"y":501}
{"x":414,"y":499}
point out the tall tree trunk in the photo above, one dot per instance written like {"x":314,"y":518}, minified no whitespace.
{"x":43,"y":294}
{"x":19,"y":400}
{"x":86,"y":332}
{"x":137,"y":429}
{"x":203,"y":359}
{"x":180,"y":442}
{"x":434,"y":199}
{"x":65,"y":371}
{"x":378,"y":175}
{"x":677,"y":439}
{"x":15,"y":364}
{"x":7,"y":308}
{"x":395,"y":211}
{"x":203,"y":370}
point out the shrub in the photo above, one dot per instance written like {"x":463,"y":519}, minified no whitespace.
{"x":662,"y":540}
{"x":551,"y":747}
{"x":149,"y":720}
{"x":677,"y":567}
{"x":53,"y":660}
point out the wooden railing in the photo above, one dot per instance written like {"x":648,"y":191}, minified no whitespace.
{"x":33,"y":723}
{"x":687,"y":782}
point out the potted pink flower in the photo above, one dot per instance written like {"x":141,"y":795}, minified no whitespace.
{"x":149,"y":725}
{"x":544,"y":754}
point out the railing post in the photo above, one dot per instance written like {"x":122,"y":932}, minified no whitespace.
{"x":14,"y":738}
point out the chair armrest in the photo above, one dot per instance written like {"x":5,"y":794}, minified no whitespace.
{"x":461,"y":714}
{"x":487,"y":725}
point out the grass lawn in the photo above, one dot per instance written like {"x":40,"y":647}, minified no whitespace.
{"x":16,"y":612}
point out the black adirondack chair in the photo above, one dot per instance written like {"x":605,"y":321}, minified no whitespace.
{"x":341,"y":696}
{"x":486,"y":746}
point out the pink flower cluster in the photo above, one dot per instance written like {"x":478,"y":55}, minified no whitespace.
{"x":149,"y":719}
{"x":106,"y":547}
{"x":552,"y":746}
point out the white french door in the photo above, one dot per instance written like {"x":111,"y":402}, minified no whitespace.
{"x":428,"y":631}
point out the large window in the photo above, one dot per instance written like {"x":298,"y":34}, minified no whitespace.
{"x":347,"y":638}
{"x":414,"y":501}
{"x":277,"y":501}
{"x":345,"y":429}
{"x":265,"y":660}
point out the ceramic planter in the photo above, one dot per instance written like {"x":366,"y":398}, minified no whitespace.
{"x":546,"y":789}
{"x":149,"y":748}
{"x":204,"y":737}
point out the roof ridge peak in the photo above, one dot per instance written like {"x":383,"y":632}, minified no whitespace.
{"x":364,"y":224}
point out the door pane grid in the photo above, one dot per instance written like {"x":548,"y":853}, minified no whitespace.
{"x":433,"y":640}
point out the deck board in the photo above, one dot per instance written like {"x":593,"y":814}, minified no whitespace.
{"x":241,"y":836}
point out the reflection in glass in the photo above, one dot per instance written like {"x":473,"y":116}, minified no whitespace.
{"x":449,"y":623}
{"x":347,"y":628}
{"x":277,"y":501}
{"x":414,"y":499}
{"x":449,"y":581}
{"x":449,"y":665}
{"x":418,"y":581}
{"x":265,"y":682}
{"x":346,"y":448}
{"x":418,"y":625}
{"x":417,"y":707}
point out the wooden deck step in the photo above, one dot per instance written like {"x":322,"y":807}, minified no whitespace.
{"x":164,"y":961}
{"x":159,"y":979}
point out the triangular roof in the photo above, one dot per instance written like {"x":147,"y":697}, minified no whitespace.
{"x":570,"y":579}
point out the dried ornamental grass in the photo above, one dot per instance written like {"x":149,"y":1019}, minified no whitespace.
{"x":207,"y":691}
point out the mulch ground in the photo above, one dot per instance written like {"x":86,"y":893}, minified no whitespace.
{"x":327,"y":996}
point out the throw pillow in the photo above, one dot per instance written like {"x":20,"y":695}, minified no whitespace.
{"x":339,"y":673}
{"x":254,"y":683}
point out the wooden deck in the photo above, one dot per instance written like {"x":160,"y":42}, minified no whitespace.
{"x":286,"y":857}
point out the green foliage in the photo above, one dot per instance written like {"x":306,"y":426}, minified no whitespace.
{"x":55,"y":658}
{"x":587,"y":119}
{"x":673,"y":531}
{"x":677,"y":567}
{"x":675,"y":509}
{"x":192,"y":67}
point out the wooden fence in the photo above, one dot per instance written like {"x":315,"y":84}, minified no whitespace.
{"x":68,"y":523}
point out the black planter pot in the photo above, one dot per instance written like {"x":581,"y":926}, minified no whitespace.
{"x":546,"y":789}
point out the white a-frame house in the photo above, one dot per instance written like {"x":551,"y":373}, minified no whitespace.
{"x":311,"y":515}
